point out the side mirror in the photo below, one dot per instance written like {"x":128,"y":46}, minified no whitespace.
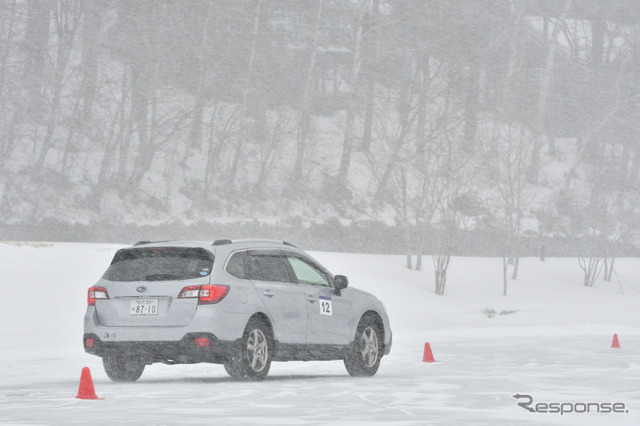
{"x":340,"y":282}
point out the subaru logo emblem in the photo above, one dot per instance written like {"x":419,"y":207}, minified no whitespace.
{"x":141,"y":289}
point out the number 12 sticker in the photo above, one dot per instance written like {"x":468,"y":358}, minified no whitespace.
{"x":325,"y":306}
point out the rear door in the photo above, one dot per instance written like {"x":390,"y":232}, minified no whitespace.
{"x":143,"y":285}
{"x":284,"y":300}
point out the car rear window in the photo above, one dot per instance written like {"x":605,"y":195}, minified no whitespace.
{"x":159,"y":264}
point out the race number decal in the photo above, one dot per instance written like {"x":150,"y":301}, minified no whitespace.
{"x":325,"y":306}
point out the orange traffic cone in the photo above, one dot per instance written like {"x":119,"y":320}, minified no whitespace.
{"x":428,"y":355}
{"x":615,"y":343}
{"x":86,"y":390}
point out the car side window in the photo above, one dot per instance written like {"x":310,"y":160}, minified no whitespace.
{"x":307,"y":273}
{"x":272,"y":268}
{"x":237,"y":265}
{"x":243,"y":266}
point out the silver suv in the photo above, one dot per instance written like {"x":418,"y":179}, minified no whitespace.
{"x":241,"y":303}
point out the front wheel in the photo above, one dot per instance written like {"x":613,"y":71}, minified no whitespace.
{"x":364,"y":357}
{"x":123,"y":368}
{"x":254,"y":360}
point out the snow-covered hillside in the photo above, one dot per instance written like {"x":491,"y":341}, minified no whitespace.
{"x":549,"y":338}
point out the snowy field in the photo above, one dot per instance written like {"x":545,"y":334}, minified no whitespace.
{"x":554,"y":345}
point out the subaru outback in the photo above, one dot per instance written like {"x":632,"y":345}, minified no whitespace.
{"x":241,"y":303}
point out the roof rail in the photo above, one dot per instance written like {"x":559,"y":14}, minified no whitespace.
{"x":142,"y":242}
{"x":252,"y":240}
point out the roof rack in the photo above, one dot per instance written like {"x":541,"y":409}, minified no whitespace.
{"x":254,"y":240}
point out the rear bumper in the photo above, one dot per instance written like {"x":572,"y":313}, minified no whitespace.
{"x":184,"y":351}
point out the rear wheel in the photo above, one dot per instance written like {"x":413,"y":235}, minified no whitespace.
{"x":123,"y":368}
{"x":364,"y":357}
{"x":231,"y":368}
{"x":254,"y":359}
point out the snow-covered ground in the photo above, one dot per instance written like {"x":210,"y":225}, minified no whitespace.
{"x":554,"y":345}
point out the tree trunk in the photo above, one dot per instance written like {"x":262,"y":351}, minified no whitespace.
{"x":608,"y":268}
{"x":591,"y":268}
{"x":404,"y":106}
{"x":9,"y":97}
{"x":35,"y":48}
{"x":195,"y":131}
{"x":372,"y":45}
{"x":516,"y":267}
{"x":420,"y":250}
{"x":114,"y":140}
{"x":244,"y":116}
{"x":217,"y":140}
{"x":423,"y":77}
{"x":126,"y":130}
{"x":269,"y":154}
{"x":304,"y":119}
{"x":67,"y":17}
{"x":471,"y":106}
{"x":440,"y":265}
{"x":140,"y":120}
{"x":71,"y":139}
{"x":90,"y":36}
{"x":505,"y":267}
{"x":503,"y":101}
{"x":350,"y":117}
{"x":546,"y":86}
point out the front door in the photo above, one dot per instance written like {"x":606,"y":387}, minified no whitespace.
{"x":329,"y":315}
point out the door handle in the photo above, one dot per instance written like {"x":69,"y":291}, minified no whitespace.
{"x":311,"y":299}
{"x":268,"y":293}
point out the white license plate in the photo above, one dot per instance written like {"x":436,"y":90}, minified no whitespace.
{"x":143,"y":307}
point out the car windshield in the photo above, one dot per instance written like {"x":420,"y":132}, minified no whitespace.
{"x":159,"y":264}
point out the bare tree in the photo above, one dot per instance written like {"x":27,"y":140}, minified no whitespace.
{"x":304,"y":114}
{"x":372,"y":46}
{"x":546,"y":86}
{"x":36,"y":37}
{"x":91,"y":28}
{"x":245,"y":120}
{"x":221,"y":125}
{"x":195,"y":131}
{"x":66,"y":15}
{"x":113,"y":139}
{"x":507,"y":168}
{"x":350,"y":113}
{"x":10,"y":104}
{"x":592,"y":267}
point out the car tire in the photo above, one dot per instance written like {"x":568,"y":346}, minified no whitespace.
{"x":231,"y":368}
{"x":254,"y":358}
{"x":123,"y":368}
{"x":364,"y":355}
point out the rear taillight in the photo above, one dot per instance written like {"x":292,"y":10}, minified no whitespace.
{"x":210,"y":294}
{"x":202,"y":342}
{"x":96,"y":293}
{"x":206,"y":294}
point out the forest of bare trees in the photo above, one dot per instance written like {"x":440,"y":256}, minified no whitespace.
{"x":513,"y":120}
